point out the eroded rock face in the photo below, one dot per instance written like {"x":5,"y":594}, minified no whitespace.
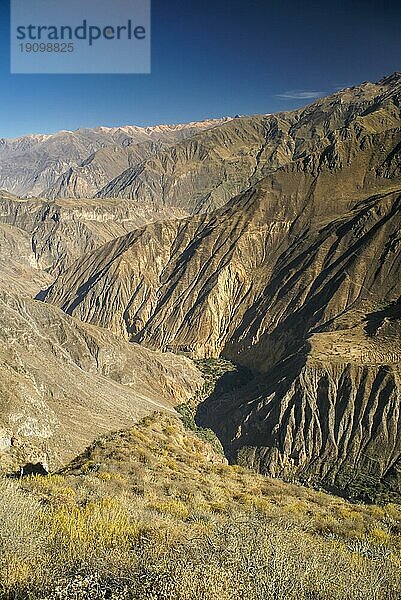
{"x":61,"y":231}
{"x":63,"y":382}
{"x":290,"y":278}
{"x":249,"y":281}
{"x":329,"y":414}
{"x":19,"y":268}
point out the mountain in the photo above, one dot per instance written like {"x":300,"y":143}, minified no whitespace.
{"x":61,"y":231}
{"x":297,"y":278}
{"x":237,"y":249}
{"x":63,"y":383}
{"x":67,"y":162}
{"x":206,"y":170}
{"x":203,"y":171}
{"x":86,"y":179}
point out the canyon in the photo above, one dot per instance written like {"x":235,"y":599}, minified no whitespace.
{"x":272,"y":241}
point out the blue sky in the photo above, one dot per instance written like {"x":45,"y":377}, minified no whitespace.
{"x":211,"y":59}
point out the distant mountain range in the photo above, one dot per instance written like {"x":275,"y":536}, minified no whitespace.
{"x":80,"y":163}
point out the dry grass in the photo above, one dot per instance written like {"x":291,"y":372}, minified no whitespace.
{"x":154,"y":513}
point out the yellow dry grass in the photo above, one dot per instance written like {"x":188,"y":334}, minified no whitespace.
{"x":154,"y":513}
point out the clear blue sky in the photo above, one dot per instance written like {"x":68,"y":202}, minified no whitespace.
{"x":214,"y":58}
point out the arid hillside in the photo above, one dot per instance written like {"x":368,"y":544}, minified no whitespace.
{"x":60,"y":231}
{"x":79,"y":163}
{"x":63,"y":383}
{"x":154,"y":511}
{"x":297,"y":278}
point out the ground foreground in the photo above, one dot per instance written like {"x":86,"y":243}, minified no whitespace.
{"x":154,"y":512}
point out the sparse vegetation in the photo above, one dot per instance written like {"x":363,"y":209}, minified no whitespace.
{"x":219,"y":376}
{"x":187,"y":414}
{"x":155,"y":513}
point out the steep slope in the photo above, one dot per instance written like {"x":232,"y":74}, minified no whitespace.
{"x":284,"y":279}
{"x":153,"y":512}
{"x":204,"y":171}
{"x":62,"y":231}
{"x":33,"y":163}
{"x":86,"y":179}
{"x":63,"y":383}
{"x":19,"y":269}
{"x":328,"y":414}
{"x":320,"y":415}
{"x":201,"y":172}
{"x":238,"y":281}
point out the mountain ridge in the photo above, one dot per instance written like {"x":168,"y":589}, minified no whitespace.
{"x":31,"y":164}
{"x":282,"y":255}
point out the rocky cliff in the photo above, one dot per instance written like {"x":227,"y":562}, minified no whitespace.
{"x":19,"y":268}
{"x":327,"y":414}
{"x":62,"y":231}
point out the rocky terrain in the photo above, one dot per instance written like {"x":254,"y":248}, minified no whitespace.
{"x":63,"y":383}
{"x":297,"y":277}
{"x":76,"y":163}
{"x":19,"y":268}
{"x":271,"y":241}
{"x":60,"y":231}
{"x":206,"y":170}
